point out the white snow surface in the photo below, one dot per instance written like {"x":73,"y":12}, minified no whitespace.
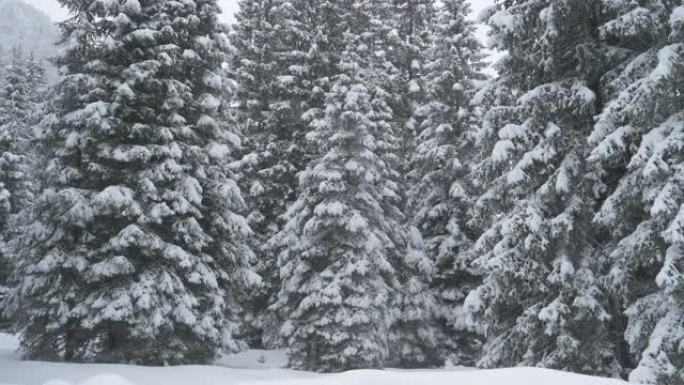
{"x":256,"y":367}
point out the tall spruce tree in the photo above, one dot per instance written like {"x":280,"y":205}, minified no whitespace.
{"x":21,"y":100}
{"x":38,"y":91}
{"x":338,"y":279}
{"x":21,"y":97}
{"x":281,"y":67}
{"x":136,"y":251}
{"x":439,"y":199}
{"x":414,"y":334}
{"x":8,"y":117}
{"x":411,"y":22}
{"x":254,"y":66}
{"x":269,"y":116}
{"x":638,"y":143}
{"x":394,"y":73}
{"x":3,"y":64}
{"x":541,"y":303}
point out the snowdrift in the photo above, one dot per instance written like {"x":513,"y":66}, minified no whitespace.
{"x":264,"y":368}
{"x":515,"y":376}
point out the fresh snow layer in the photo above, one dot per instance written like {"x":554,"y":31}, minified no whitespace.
{"x":262,"y":368}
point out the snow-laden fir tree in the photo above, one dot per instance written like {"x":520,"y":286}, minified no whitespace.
{"x":263,"y":181}
{"x":402,"y":36}
{"x":5,"y":261}
{"x":38,"y":91}
{"x":540,"y":303}
{"x":5,"y":266}
{"x":21,"y":97}
{"x":276,"y":65}
{"x":412,"y":339}
{"x":12,"y":105}
{"x":337,"y":276}
{"x":265,"y":114}
{"x":413,"y":335}
{"x":3,"y":64}
{"x":440,"y":195}
{"x":402,"y":30}
{"x":638,"y":141}
{"x":136,"y":251}
{"x":409,"y":36}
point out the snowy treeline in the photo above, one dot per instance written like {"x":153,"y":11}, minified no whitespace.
{"x":339,"y":178}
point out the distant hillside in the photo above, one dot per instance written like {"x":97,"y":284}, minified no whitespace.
{"x":24,"y":26}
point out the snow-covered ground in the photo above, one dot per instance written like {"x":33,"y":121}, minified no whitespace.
{"x":262,"y":368}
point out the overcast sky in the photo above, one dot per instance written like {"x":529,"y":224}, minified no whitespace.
{"x":52,"y":8}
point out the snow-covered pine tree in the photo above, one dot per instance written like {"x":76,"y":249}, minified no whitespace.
{"x":3,"y":64}
{"x":253,"y":65}
{"x":402,"y":30}
{"x":337,"y":277}
{"x":38,"y":87}
{"x":14,"y":108}
{"x":5,"y":260}
{"x":5,"y":266}
{"x":273,"y":42}
{"x":21,"y":96}
{"x":540,"y":303}
{"x":5,"y":269}
{"x":21,"y":99}
{"x":413,"y":340}
{"x":414,"y":333}
{"x":638,"y":142}
{"x":257,"y":67}
{"x":440,"y":196}
{"x":408,"y":39}
{"x":136,"y":249}
{"x":412,"y":336}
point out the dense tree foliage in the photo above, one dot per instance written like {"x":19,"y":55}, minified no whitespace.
{"x":404,"y":209}
{"x":136,"y":248}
